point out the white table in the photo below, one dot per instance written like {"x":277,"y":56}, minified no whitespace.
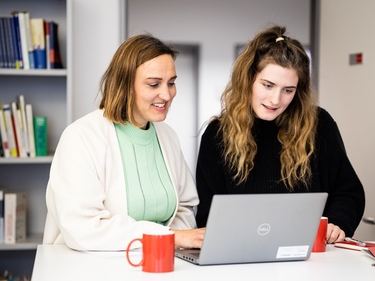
{"x":61,"y":263}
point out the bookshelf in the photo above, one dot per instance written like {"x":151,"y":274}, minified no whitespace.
{"x":50,"y":93}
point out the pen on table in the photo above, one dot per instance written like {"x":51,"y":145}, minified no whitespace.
{"x":358,"y":242}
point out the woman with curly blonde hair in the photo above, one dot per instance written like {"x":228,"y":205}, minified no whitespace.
{"x":272,"y":137}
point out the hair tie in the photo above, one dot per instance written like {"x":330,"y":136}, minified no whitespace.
{"x":279,"y":39}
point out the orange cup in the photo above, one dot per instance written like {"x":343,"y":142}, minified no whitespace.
{"x":320,"y":239}
{"x":157,"y":252}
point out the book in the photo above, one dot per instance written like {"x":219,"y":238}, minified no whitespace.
{"x":16,"y":115}
{"x":9,"y":42}
{"x":17,"y":59}
{"x":10,"y":131}
{"x":4,"y":134}
{"x":3,"y":63}
{"x":28,"y":40}
{"x":354,"y":245}
{"x":15,"y":208}
{"x":30,"y":129}
{"x":40,"y":132}
{"x":54,"y":53}
{"x":2,"y":153}
{"x":2,"y":216}
{"x":18,"y":37}
{"x":15,"y":135}
{"x":39,"y":42}
{"x":47,"y":36}
{"x":23,"y":122}
{"x":24,"y":47}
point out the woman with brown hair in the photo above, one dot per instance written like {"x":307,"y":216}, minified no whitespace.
{"x":119,"y":171}
{"x":272,"y":137}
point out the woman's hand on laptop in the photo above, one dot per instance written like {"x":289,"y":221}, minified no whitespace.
{"x":190,"y":238}
{"x":334,"y":234}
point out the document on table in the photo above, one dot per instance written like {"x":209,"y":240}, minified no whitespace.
{"x":114,"y":254}
{"x":369,"y":251}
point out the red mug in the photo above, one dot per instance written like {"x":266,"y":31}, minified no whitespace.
{"x":320,"y":239}
{"x":157,"y":252}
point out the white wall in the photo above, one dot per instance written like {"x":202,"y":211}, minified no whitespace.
{"x":181,"y":117}
{"x":347,"y":92}
{"x":98,"y":30}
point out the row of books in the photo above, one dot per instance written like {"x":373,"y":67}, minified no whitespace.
{"x":28,"y":43}
{"x":13,"y":210}
{"x":21,"y":133}
{"x":9,"y":277}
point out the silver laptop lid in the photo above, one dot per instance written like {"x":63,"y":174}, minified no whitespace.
{"x":243,"y":228}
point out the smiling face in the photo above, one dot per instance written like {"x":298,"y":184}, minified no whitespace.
{"x":154,"y":88}
{"x":273,"y":90}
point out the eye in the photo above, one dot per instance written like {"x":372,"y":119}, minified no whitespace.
{"x":289,"y":90}
{"x":172,"y":82}
{"x":154,"y":85}
{"x":267,"y":85}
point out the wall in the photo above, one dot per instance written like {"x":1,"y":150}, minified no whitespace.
{"x":180,"y":116}
{"x":98,"y":30}
{"x":346,"y":91}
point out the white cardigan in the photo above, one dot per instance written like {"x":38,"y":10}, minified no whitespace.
{"x":86,"y":194}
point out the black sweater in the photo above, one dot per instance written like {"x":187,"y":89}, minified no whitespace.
{"x":331,"y":168}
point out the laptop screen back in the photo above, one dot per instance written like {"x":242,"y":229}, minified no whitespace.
{"x":243,"y":228}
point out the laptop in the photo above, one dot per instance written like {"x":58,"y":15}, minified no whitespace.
{"x":248,"y":228}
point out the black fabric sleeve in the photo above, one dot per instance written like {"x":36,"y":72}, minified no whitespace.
{"x":209,"y":173}
{"x":346,"y":197}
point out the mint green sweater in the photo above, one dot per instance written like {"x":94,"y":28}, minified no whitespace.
{"x":149,"y":189}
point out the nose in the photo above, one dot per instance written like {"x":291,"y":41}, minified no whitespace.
{"x":167,"y":93}
{"x":274,"y":97}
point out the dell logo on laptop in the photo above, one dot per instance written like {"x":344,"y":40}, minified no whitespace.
{"x":264,"y":229}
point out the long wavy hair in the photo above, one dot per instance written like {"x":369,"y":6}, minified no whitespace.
{"x":117,"y":83}
{"x":297,"y":124}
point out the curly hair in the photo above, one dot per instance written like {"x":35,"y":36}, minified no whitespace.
{"x":117,"y":83}
{"x":297,"y":124}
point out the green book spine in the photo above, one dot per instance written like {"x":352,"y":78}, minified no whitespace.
{"x":40,"y":131}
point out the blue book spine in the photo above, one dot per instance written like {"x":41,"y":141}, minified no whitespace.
{"x":1,"y":56}
{"x":18,"y":37}
{"x":2,"y":228}
{"x":15,"y":44}
{"x":8,"y":31}
{"x":40,"y":58}
{"x":32,"y":60}
{"x":2,"y":48}
{"x":4,"y":43}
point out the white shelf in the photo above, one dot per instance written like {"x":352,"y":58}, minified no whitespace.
{"x":33,"y":72}
{"x":31,"y":243}
{"x":36,"y":160}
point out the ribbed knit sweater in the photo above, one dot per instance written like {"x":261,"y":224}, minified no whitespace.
{"x":331,"y":168}
{"x":149,"y":189}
